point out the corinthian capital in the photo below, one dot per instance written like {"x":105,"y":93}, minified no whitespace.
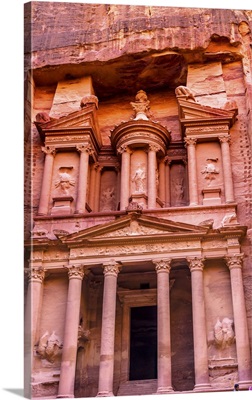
{"x":234,"y":261}
{"x":154,"y":147}
{"x":163,"y":265}
{"x":195,"y":263}
{"x":49,"y":150}
{"x":36,"y":274}
{"x":111,"y":268}
{"x":190,"y":141}
{"x":224,"y":138}
{"x":85,"y":148}
{"x":75,"y":272}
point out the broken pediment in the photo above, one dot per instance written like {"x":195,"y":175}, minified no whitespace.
{"x":74,"y":122}
{"x":191,"y":112}
{"x":135,"y":227}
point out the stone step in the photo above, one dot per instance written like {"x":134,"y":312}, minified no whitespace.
{"x":132,"y":388}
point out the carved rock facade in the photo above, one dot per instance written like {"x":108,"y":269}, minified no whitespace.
{"x":138,"y":258}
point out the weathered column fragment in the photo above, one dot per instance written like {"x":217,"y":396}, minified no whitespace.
{"x":164,"y":335}
{"x":199,"y":324}
{"x":234,"y":263}
{"x":47,"y":180}
{"x":106,"y":372}
{"x":69,"y":354}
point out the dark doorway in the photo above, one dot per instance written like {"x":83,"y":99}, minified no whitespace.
{"x":181,"y":329}
{"x":143,"y":343}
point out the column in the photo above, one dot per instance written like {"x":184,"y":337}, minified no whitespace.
{"x":199,"y":324}
{"x":161,"y":193}
{"x":152,"y":165}
{"x":70,"y":342}
{"x":192,"y":170}
{"x":167,"y":182}
{"x":92,"y":191}
{"x":234,"y":263}
{"x":99,"y":169}
{"x":125,"y":176}
{"x":85,"y":151}
{"x":106,"y":372}
{"x":47,"y":180}
{"x":227,"y":172}
{"x":32,"y":312}
{"x":164,"y":335}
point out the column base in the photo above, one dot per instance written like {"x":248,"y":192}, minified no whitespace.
{"x":164,"y":390}
{"x":244,"y":384}
{"x":202,"y":387}
{"x":105,"y":394}
{"x":65,"y":396}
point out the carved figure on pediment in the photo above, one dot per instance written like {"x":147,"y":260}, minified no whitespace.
{"x":229,"y":219}
{"x":42,"y":117}
{"x":89,"y":99}
{"x":210,"y":170}
{"x":223,"y":333}
{"x":65,"y":180}
{"x":108,"y":199}
{"x":139,"y":179}
{"x":184,"y":91}
{"x":49,"y":346}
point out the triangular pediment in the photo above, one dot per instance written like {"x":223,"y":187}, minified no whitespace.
{"x":135,"y":228}
{"x":77,"y":120}
{"x":192,"y":111}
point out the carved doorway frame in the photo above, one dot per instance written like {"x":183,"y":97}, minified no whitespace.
{"x":130,"y":299}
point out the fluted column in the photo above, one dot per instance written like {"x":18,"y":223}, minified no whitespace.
{"x":167,"y":183}
{"x":152,"y":165}
{"x":32,"y":312}
{"x":70,"y":342}
{"x":192,"y":170}
{"x":106,"y":372}
{"x":47,"y":180}
{"x":85,"y":151}
{"x":125,"y":176}
{"x":234,"y":263}
{"x":199,"y":324}
{"x":227,"y":171}
{"x":164,"y":333}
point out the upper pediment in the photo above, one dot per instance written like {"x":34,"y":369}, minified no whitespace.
{"x":85,"y":118}
{"x":132,"y":227}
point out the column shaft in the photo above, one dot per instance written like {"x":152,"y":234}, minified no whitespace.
{"x":70,"y":343}
{"x":84,"y":150}
{"x":164,"y":334}
{"x":240,"y":320}
{"x":152,"y":164}
{"x":125,"y":177}
{"x":192,"y":171}
{"x":199,"y":325}
{"x":97,"y":189}
{"x":167,"y":184}
{"x":161,"y":193}
{"x":47,"y":180}
{"x":227,"y":171}
{"x":106,"y":372}
{"x":92,"y":190}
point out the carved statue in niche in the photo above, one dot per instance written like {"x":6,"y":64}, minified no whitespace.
{"x":139,"y":179}
{"x":65,"y":181}
{"x":49,"y":346}
{"x":223,"y":333}
{"x":210,"y":170}
{"x":179,"y":189}
{"x":108,"y":199}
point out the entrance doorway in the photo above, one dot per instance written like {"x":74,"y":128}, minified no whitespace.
{"x":143,"y":343}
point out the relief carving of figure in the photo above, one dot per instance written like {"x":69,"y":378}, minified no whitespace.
{"x":179,"y":189}
{"x":223,"y":333}
{"x":107,"y":199}
{"x":139,"y":180}
{"x":210,"y":170}
{"x":65,"y":181}
{"x":49,"y":346}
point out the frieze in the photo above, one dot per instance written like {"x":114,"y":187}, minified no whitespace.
{"x":67,"y":138}
{"x":200,"y":129}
